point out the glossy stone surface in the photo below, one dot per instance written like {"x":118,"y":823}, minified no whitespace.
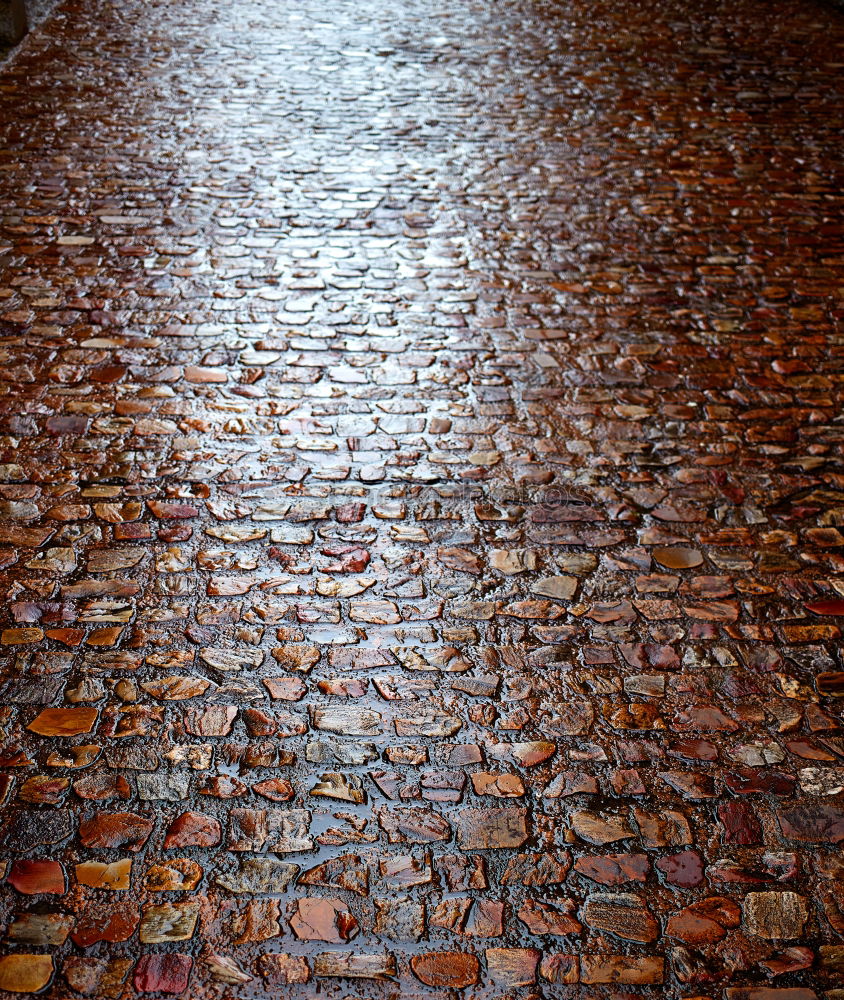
{"x":421,"y":501}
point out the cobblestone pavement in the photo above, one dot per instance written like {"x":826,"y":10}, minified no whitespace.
{"x":422,"y":500}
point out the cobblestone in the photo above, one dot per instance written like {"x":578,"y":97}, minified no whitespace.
{"x":421,"y":501}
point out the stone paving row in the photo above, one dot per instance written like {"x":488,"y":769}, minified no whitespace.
{"x":421,"y":501}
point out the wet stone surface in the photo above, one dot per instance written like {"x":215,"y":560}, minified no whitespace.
{"x":421,"y":501}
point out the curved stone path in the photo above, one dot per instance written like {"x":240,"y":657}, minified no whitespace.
{"x":421,"y":501}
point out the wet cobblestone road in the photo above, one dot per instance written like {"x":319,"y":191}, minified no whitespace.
{"x":421,"y":501}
